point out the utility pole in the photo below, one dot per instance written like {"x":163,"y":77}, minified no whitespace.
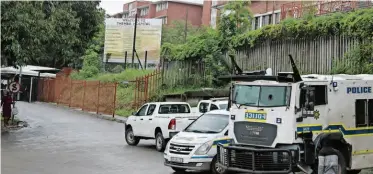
{"x":134,"y":42}
{"x":186,"y":25}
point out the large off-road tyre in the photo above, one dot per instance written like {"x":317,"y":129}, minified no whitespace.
{"x":131,"y":139}
{"x":178,"y":170}
{"x":341,"y":164}
{"x":216,"y":169}
{"x":160,"y":142}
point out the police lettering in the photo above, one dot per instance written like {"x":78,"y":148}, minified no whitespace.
{"x":359,"y":90}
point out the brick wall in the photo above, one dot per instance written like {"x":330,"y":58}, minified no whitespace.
{"x":177,"y":11}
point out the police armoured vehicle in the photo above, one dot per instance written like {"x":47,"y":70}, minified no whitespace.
{"x":277,"y":123}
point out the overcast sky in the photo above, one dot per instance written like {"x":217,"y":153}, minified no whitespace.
{"x":116,"y":6}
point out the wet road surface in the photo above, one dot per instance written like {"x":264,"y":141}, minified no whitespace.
{"x":61,"y":141}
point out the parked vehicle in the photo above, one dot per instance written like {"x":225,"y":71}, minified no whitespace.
{"x":195,"y":147}
{"x":211,"y":104}
{"x":282,"y":124}
{"x":159,"y":121}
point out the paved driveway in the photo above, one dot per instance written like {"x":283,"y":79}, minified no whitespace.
{"x":61,"y":141}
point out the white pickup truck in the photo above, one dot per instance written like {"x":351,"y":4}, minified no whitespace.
{"x":211,"y":104}
{"x":159,"y":121}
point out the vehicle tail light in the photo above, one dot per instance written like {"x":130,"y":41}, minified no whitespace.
{"x":172,"y":124}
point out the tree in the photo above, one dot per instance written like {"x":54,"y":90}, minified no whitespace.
{"x":47,"y":33}
{"x":175,"y":32}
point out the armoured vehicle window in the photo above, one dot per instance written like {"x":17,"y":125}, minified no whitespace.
{"x":321,"y":95}
{"x":370,"y":112}
{"x":363,"y":112}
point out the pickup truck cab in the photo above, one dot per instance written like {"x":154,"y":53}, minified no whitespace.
{"x":195,"y":147}
{"x":159,"y":121}
{"x":204,"y":106}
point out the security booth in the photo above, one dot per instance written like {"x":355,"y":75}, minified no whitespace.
{"x":28,"y":78}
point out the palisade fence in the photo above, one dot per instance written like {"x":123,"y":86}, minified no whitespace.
{"x":310,"y":55}
{"x":183,"y":73}
{"x":172,"y":74}
{"x":92,"y":96}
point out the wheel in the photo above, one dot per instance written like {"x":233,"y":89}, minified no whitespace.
{"x":215,"y":169}
{"x":131,"y":139}
{"x":160,"y":142}
{"x":178,"y":170}
{"x":341,"y":163}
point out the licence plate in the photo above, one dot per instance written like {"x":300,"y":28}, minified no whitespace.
{"x":175,"y":159}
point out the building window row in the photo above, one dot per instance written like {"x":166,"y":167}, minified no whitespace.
{"x":262,"y":20}
{"x":144,"y":11}
{"x":161,"y":6}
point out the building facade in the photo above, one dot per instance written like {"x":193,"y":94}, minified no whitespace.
{"x":168,"y":11}
{"x":265,"y":12}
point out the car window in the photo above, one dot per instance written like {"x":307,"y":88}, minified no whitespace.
{"x":213,"y":107}
{"x":209,"y":123}
{"x":174,"y":108}
{"x":223,"y":106}
{"x":142,"y":111}
{"x":151,"y":109}
{"x":203,"y":107}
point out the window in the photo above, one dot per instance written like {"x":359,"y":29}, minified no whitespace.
{"x":144,"y":11}
{"x":213,"y":107}
{"x":164,"y":20}
{"x":209,"y":123}
{"x":174,"y":109}
{"x":142,"y":111}
{"x":151,"y":109}
{"x":364,"y":112}
{"x":223,"y":106}
{"x":161,"y":6}
{"x":321,"y":95}
{"x":130,"y":6}
{"x":265,"y":20}
{"x":203,"y":107}
{"x":125,"y":15}
{"x":262,"y":96}
{"x":277,"y":18}
{"x":256,"y":23}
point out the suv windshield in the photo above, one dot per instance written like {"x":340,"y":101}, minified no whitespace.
{"x":261,"y":96}
{"x":209,"y":123}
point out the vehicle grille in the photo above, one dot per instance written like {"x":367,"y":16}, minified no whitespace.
{"x":254,"y":160}
{"x":180,"y":149}
{"x":255,"y":133}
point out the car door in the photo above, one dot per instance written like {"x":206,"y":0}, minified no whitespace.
{"x":147,"y":122}
{"x":139,"y":129}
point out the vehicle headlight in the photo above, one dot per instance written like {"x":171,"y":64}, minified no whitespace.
{"x":168,"y":146}
{"x":202,"y":150}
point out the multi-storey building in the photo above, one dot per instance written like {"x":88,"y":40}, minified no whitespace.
{"x":167,"y":10}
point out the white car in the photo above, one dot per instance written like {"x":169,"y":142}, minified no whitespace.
{"x":195,"y":147}
{"x":159,"y":121}
{"x":204,"y":106}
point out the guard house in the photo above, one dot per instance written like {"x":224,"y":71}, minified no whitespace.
{"x":30,"y":76}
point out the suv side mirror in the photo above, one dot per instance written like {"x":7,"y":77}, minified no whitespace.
{"x":134,"y":113}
